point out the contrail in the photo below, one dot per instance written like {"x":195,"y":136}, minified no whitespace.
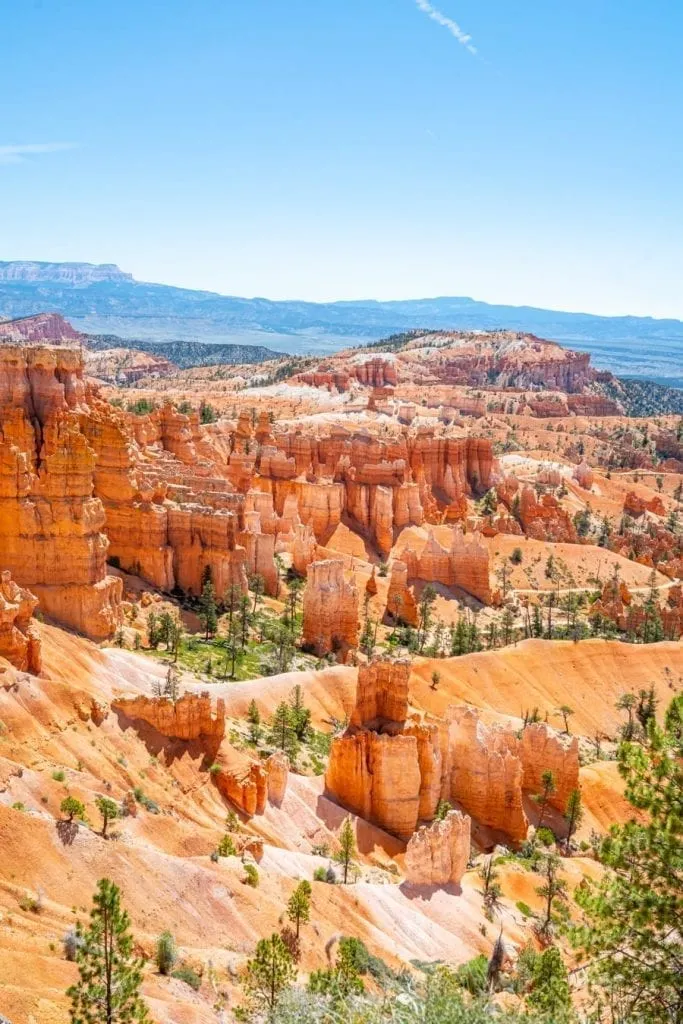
{"x":17,"y":154}
{"x":463,"y":38}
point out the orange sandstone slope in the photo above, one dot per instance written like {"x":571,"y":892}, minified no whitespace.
{"x":588,"y":676}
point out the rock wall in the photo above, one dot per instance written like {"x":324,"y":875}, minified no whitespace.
{"x":191,"y":717}
{"x":377,"y":777}
{"x":330,"y":608}
{"x":19,"y":639}
{"x":438,"y":854}
{"x":544,"y":749}
{"x":381,"y":694}
{"x":486,"y":774}
{"x":51,"y":525}
{"x":465,"y":564}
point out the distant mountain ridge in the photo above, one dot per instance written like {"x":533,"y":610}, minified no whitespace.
{"x":105,"y":300}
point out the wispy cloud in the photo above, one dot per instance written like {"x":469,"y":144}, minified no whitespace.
{"x":17,"y":154}
{"x":463,"y":38}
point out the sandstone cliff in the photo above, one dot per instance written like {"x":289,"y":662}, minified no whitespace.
{"x":330,"y":608}
{"x":19,"y":639}
{"x":191,"y":717}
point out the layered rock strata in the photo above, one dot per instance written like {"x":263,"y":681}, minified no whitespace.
{"x":330,"y":609}
{"x":51,"y":524}
{"x":191,"y":717}
{"x":19,"y":639}
{"x":438,"y":854}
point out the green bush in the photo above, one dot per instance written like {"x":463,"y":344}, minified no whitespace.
{"x":251,"y":875}
{"x":545,"y":836}
{"x":189,"y":976}
{"x":524,"y":908}
{"x":58,"y":776}
{"x":472,"y":976}
{"x":226,"y":847}
{"x":166,"y":953}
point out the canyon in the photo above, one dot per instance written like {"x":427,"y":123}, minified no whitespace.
{"x":394,"y":587}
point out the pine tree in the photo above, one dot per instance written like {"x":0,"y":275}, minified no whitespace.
{"x":282,"y":730}
{"x":347,"y":847}
{"x":553,"y":888}
{"x":573,"y":815}
{"x":108,"y":989}
{"x":550,"y":992}
{"x":542,"y":798}
{"x":632,"y":933}
{"x":109,"y":811}
{"x":207,"y":609}
{"x":254,"y":719}
{"x":300,"y":714}
{"x":72,"y":807}
{"x":269,"y":973}
{"x":299,"y":905}
{"x":491,"y":890}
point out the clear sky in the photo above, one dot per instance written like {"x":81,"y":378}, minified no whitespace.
{"x":326,"y":149}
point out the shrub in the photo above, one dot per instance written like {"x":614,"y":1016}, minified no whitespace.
{"x":71,"y":944}
{"x":189,"y":976}
{"x":226,"y":847}
{"x":73,"y":808}
{"x":517,"y":556}
{"x":251,"y":875}
{"x":524,"y":908}
{"x":472,"y":976}
{"x":166,"y":953}
{"x":325,"y":875}
{"x":58,"y":776}
{"x":545,"y":836}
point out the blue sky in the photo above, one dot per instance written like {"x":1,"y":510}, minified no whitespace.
{"x":328,"y":149}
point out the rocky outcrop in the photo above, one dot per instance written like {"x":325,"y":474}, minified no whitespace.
{"x":486,"y":772}
{"x":544,"y":749}
{"x":51,"y":525}
{"x":545,"y":519}
{"x":635,"y":506}
{"x":377,"y":777}
{"x":19,"y":639}
{"x":191,"y":717}
{"x":241,"y":781}
{"x":381,"y":694}
{"x":465,"y":564}
{"x":583,"y":475}
{"x":330,"y":609}
{"x":438,"y":854}
{"x":277,"y":767}
{"x":401,"y":604}
{"x":40,"y":328}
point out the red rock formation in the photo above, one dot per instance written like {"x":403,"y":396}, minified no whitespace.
{"x":544,"y":749}
{"x":377,"y":777}
{"x":381,"y":694}
{"x":438,"y":854}
{"x":191,"y":717}
{"x":486,"y":772}
{"x":240,"y":780}
{"x":277,"y":767}
{"x":465,"y":564}
{"x":330,"y":608}
{"x":635,"y":506}
{"x":545,"y":519}
{"x":401,"y":604}
{"x":583,"y":475}
{"x":41,"y":327}
{"x":19,"y":639}
{"x":51,"y":535}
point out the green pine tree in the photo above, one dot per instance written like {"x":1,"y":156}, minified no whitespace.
{"x":110,"y":976}
{"x":299,"y":905}
{"x":270,"y":973}
{"x":632,"y":935}
{"x":347,"y":847}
